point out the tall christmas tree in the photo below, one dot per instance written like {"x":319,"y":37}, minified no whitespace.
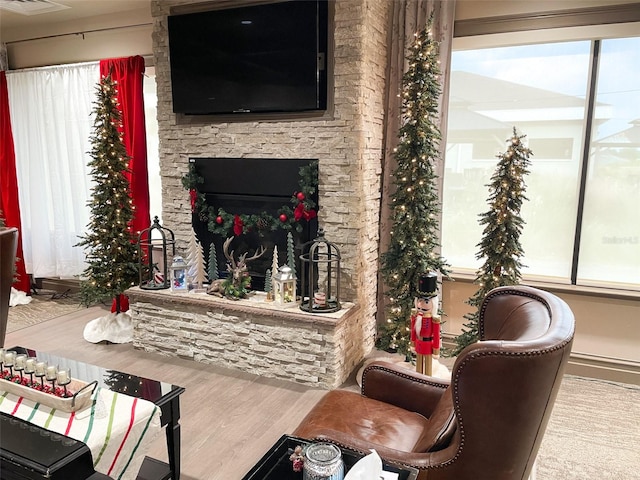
{"x":500,"y":245}
{"x":112,"y":255}
{"x":414,"y":245}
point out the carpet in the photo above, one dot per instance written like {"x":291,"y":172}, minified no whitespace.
{"x":593,"y":432}
{"x":43,"y":306}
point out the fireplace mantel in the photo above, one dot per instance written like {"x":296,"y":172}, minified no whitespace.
{"x":251,"y":335}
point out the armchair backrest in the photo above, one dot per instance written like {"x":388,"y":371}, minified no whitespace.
{"x":504,"y":386}
{"x":8,"y":246}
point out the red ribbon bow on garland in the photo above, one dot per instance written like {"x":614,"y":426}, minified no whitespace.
{"x":238,"y":226}
{"x":301,"y":212}
{"x":193,"y":195}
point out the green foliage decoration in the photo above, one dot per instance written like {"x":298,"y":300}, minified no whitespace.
{"x":221,"y":222}
{"x":236,"y":292}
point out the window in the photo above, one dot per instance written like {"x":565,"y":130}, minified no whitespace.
{"x":578,"y":103}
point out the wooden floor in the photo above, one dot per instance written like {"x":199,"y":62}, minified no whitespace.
{"x":229,"y":418}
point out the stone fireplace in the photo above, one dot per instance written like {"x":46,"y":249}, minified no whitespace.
{"x":347,"y":141}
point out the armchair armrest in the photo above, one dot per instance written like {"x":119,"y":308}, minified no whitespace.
{"x":399,"y":386}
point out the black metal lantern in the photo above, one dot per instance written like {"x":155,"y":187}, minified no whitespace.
{"x":153,"y":245}
{"x":320,"y":279}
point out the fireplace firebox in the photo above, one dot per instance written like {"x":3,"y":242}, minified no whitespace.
{"x":252,"y":186}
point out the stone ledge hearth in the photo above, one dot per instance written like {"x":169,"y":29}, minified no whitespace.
{"x":248,"y":335}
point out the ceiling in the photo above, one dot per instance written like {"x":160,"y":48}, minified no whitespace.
{"x":61,"y":11}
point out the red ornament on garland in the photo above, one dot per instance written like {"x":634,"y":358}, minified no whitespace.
{"x":283,"y":218}
{"x":300,"y":196}
{"x":219,"y":220}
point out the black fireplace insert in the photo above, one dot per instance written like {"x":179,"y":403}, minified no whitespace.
{"x":252,"y":186}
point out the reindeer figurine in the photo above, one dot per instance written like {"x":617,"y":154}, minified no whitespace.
{"x":236,"y":284}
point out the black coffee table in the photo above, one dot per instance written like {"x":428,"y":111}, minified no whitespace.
{"x":164,"y":395}
{"x":275,"y":464}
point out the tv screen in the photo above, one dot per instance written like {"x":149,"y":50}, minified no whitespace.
{"x":260,"y":58}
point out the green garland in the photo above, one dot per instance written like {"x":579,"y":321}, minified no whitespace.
{"x":226,"y":223}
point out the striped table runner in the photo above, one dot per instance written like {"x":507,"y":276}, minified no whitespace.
{"x":117,"y":428}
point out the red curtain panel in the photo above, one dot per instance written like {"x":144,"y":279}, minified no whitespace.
{"x":129,"y":72}
{"x":9,"y":202}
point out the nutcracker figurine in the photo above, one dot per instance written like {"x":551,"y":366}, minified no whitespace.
{"x":425,"y":324}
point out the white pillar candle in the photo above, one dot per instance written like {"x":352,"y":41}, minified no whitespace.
{"x":52,"y":371}
{"x":63,"y":377}
{"x":30,"y":365}
{"x":9,"y":358}
{"x":21,"y":360}
{"x":41,"y":368}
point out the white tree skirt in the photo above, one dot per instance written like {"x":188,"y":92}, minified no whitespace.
{"x":18,"y":298}
{"x":114,"y":328}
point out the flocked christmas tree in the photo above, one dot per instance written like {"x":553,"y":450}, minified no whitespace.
{"x":500,"y":245}
{"x":414,"y":245}
{"x":268,"y":285}
{"x":111,"y":252}
{"x":291,"y":257}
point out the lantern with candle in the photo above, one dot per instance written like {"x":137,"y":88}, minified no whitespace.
{"x":283,"y":284}
{"x":179,"y":275}
{"x":320,"y":285}
{"x":154,"y":244}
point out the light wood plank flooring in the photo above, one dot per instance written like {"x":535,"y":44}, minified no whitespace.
{"x":229,"y":418}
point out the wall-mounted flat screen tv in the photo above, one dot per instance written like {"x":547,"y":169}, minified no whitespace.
{"x":259,"y":58}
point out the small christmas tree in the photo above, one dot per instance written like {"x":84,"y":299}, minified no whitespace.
{"x":274,"y":261}
{"x":112,"y":255}
{"x":414,"y":246}
{"x":500,"y":245}
{"x":267,"y":281}
{"x":291,"y":257}
{"x":212,"y":266}
{"x":195,"y":260}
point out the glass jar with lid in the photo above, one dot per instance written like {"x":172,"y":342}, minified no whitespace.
{"x":323,"y":461}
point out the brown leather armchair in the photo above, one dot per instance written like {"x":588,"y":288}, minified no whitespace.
{"x":8,"y":246}
{"x":487,"y":423}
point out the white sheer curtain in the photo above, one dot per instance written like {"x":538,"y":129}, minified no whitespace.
{"x":52,"y":121}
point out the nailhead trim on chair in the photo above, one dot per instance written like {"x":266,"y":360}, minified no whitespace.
{"x":520,"y":293}
{"x":424,"y":381}
{"x":454,"y":381}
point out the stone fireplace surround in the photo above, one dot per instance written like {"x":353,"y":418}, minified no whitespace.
{"x":347,"y":140}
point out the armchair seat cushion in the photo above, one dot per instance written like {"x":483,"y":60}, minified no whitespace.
{"x":357,"y":416}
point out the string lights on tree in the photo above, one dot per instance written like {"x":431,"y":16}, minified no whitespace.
{"x":414,"y":245}
{"x":500,"y":245}
{"x":110,"y":245}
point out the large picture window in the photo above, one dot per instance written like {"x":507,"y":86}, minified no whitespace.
{"x":578,"y":102}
